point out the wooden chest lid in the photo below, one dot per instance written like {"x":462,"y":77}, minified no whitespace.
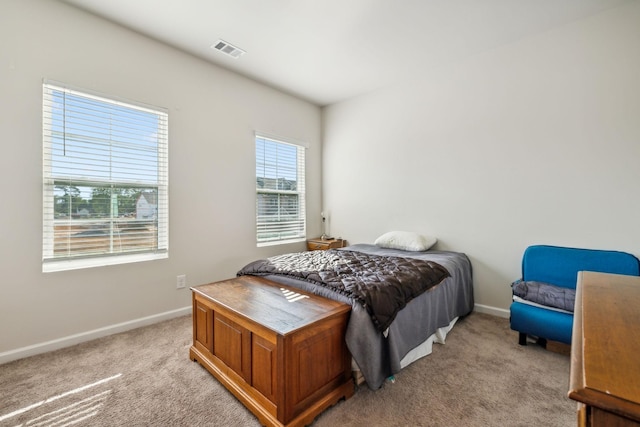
{"x":278,"y":307}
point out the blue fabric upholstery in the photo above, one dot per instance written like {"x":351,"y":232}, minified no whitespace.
{"x":542,"y":323}
{"x":559,"y":266}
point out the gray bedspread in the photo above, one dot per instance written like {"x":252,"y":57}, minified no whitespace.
{"x":383,"y":285}
{"x":378,"y":354}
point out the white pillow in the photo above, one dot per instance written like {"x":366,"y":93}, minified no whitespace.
{"x":405,"y":240}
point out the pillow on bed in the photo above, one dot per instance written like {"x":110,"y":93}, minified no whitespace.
{"x":405,"y":240}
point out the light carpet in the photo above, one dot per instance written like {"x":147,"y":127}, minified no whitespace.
{"x":143,"y":377}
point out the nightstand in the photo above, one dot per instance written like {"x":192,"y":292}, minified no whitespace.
{"x":324,"y":244}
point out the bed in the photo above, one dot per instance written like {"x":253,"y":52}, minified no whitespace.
{"x":425,"y":319}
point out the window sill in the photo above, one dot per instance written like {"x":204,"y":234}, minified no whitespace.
{"x":280,"y":242}
{"x":77,"y":264}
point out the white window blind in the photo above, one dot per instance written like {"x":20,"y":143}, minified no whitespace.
{"x":105,"y":180}
{"x":280,"y":191}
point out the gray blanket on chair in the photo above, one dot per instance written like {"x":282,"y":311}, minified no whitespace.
{"x":545,"y":294}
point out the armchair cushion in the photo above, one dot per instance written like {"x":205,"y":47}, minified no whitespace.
{"x":559,"y":266}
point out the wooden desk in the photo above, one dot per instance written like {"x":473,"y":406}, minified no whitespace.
{"x":605,"y":350}
{"x":280,"y":351}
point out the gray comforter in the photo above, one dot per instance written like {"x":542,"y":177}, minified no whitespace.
{"x":383,"y":285}
{"x":378,"y":354}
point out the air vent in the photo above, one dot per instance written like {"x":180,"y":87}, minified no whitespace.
{"x":229,"y":49}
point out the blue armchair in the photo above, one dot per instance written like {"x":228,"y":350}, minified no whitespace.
{"x":559,"y":266}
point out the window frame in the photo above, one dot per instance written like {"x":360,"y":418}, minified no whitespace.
{"x":160,"y":247}
{"x":300,"y":191}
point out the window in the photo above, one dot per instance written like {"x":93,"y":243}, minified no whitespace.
{"x":105,"y":181}
{"x":280,"y":193}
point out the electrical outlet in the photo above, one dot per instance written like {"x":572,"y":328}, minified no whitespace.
{"x":181,"y":281}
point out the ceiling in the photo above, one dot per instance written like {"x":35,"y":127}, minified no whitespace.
{"x":326,"y":51}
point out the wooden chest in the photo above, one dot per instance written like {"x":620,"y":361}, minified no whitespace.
{"x":280,"y":351}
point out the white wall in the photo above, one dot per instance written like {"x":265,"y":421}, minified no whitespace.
{"x":212,"y":116}
{"x":537,"y":142}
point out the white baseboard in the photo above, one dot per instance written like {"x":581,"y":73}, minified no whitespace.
{"x":44,"y":347}
{"x":494,"y":311}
